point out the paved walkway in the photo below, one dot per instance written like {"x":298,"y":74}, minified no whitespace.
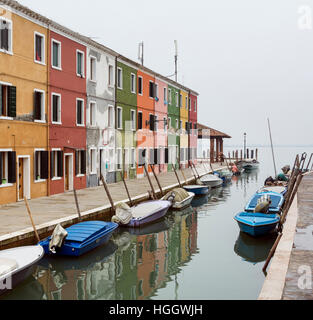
{"x":292,"y":263}
{"x":47,"y":212}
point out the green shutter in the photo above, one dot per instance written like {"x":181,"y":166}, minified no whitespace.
{"x":12,"y":102}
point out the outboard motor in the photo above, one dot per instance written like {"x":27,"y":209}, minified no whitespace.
{"x":57,"y":239}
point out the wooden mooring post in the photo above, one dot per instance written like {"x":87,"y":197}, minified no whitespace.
{"x":77,"y":205}
{"x":31,"y":220}
{"x":108,"y":193}
{"x":177,"y":176}
{"x":126,"y":188}
{"x":157,"y":180}
{"x":150,"y":182}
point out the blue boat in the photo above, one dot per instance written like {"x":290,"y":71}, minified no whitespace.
{"x":257,"y":224}
{"x":83,"y":237}
{"x":198,"y":190}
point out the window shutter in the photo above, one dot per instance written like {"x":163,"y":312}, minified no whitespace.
{"x":5,"y":39}
{"x":76,"y":163}
{"x":139,"y":120}
{"x":44,"y":172}
{"x":83,"y":161}
{"x":12,"y":102}
{"x":37,"y":106}
{"x":60,"y":163}
{"x":52,"y":164}
{"x":36,"y":173}
{"x":151,"y":122}
{"x":166,"y":156}
{"x":156,"y":156}
{"x":1,"y":164}
{"x":12,"y":167}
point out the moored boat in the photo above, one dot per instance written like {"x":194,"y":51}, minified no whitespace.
{"x":211,"y":180}
{"x":198,"y":190}
{"x":277,"y":201}
{"x":179,"y":205}
{"x":18,"y":264}
{"x":82,"y":237}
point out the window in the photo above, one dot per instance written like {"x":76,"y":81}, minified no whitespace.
{"x":93,"y":161}
{"x":39,"y":105}
{"x":111,"y":117}
{"x":165,"y":124}
{"x":151,"y":156}
{"x":7,"y":101}
{"x":56,"y":54}
{"x":41,"y":165}
{"x":39,"y":48}
{"x":139,"y":120}
{"x":5,"y":35}
{"x":80,"y":162}
{"x":151,"y":122}
{"x":92,"y":113}
{"x":156,"y":123}
{"x":189,"y":104}
{"x":195,"y":106}
{"x":133,"y":158}
{"x":180,"y":100}
{"x":169,"y":96}
{"x":80,"y":112}
{"x":165,"y":95}
{"x":7,"y":167}
{"x":80,"y":68}
{"x":56,"y":162}
{"x":156,"y":91}
{"x":186,"y":102}
{"x":176,"y":123}
{"x":169,"y":123}
{"x":56,"y":108}
{"x":140,"y":86}
{"x":133,"y":119}
{"x":112,"y":160}
{"x":151,"y":89}
{"x":119,"y":159}
{"x":177,"y":102}
{"x":93,"y":62}
{"x":119,"y":118}
{"x":133,"y":83}
{"x":119,"y":78}
{"x":111,"y":75}
{"x":142,"y":157}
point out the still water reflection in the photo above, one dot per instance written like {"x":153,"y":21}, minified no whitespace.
{"x":198,"y":253}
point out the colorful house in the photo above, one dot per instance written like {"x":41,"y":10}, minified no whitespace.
{"x":100,"y":118}
{"x":146,"y":124}
{"x":24,"y":47}
{"x":173,"y":127}
{"x":126,"y":111}
{"x":67,"y":112}
{"x":193,"y":132}
{"x":184,"y":127}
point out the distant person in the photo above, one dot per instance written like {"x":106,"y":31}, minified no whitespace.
{"x":234,"y":169}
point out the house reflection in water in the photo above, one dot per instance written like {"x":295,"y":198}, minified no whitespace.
{"x":131,"y":267}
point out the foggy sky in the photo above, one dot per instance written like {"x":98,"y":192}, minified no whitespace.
{"x":248,"y":59}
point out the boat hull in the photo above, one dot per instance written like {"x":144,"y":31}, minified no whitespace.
{"x":212,"y":182}
{"x":185,"y":203}
{"x":257,"y":224}
{"x":198,"y":190}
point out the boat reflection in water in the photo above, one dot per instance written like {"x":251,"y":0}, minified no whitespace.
{"x":200,"y":201}
{"x":132,"y":266}
{"x":252,"y":249}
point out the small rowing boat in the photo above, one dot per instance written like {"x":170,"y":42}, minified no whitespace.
{"x":198,"y":190}
{"x":211,"y":180}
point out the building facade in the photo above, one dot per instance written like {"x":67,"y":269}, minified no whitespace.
{"x":193,"y":132}
{"x":184,"y":128}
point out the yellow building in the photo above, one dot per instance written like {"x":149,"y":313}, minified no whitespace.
{"x":24,"y":159}
{"x":184,"y":118}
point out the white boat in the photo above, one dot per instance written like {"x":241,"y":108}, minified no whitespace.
{"x":248,"y":164}
{"x":211,"y":180}
{"x":18,"y":264}
{"x":185,"y":203}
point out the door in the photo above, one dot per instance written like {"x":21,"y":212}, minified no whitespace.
{"x":67,"y":173}
{"x":103,"y":162}
{"x":126,"y":163}
{"x":21,"y":178}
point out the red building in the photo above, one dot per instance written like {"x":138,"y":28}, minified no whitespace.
{"x":193,"y":120}
{"x":67,"y":114}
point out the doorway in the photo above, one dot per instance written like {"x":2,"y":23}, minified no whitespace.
{"x":23,"y":181}
{"x":68,"y":178}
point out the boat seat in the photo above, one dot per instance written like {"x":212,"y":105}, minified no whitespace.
{"x":7,"y":265}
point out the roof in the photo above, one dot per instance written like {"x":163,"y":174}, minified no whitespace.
{"x":33,"y":15}
{"x":213,"y":133}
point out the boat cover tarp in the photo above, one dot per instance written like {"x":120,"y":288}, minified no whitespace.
{"x":123,"y":214}
{"x":178,"y":193}
{"x":57,"y":239}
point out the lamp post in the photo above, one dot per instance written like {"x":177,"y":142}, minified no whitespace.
{"x":244,"y":145}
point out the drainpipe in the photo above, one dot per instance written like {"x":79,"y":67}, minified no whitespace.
{"x":48,"y":113}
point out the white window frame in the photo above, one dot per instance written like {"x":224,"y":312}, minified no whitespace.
{"x":43,"y":49}
{"x":169,"y":96}
{"x":180,"y":100}
{"x":39,"y":180}
{"x":93,"y":161}
{"x":79,"y":160}
{"x":111,"y":160}
{"x":133,"y":83}
{"x":83,"y":112}
{"x":133,"y":158}
{"x":119,"y":127}
{"x":43,"y":107}
{"x":177,"y":100}
{"x":60,"y":108}
{"x":156,"y":86}
{"x":6,"y":164}
{"x":7,"y":85}
{"x":10,"y":51}
{"x":82,"y":64}
{"x":59,"y":52}
{"x":153,"y":89}
{"x":140,"y":77}
{"x":111,"y":81}
{"x":133,"y":119}
{"x":118,"y":159}
{"x":93,"y":120}
{"x":55,"y":177}
{"x":120,"y":85}
{"x":93,"y":75}
{"x":186,"y":101}
{"x":141,"y":120}
{"x":195,"y":106}
{"x":111,"y":126}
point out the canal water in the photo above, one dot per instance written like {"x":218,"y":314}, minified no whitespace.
{"x":195,"y":254}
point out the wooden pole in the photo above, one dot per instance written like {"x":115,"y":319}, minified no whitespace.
{"x":183,"y":174}
{"x":177,"y":177}
{"x":269,"y":128}
{"x":256,"y":154}
{"x":193,"y":172}
{"x":157,"y":180}
{"x":107,"y":192}
{"x":150,"y":182}
{"x":31,"y":219}
{"x":77,"y":205}
{"x":272,"y":252}
{"x":126,"y":188}
{"x":195,"y":169}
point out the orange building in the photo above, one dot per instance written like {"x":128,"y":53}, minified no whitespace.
{"x":23,"y":106}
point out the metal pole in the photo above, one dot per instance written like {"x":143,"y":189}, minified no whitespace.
{"x":269,"y":128}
